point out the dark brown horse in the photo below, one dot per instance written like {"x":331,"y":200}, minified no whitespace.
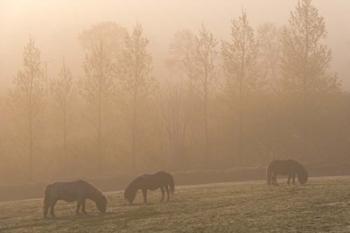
{"x":161,"y":180}
{"x":291,"y":168}
{"x":77,"y":191}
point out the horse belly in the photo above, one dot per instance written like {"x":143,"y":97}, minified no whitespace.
{"x":281,"y":171}
{"x":153,"y":187}
{"x":68,"y":196}
{"x":68,"y":199}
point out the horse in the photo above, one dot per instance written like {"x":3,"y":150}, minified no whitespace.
{"x":291,"y":168}
{"x":77,"y":191}
{"x":161,"y":179}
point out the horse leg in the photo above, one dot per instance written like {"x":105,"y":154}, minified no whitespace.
{"x":269,"y":179}
{"x":289,"y":177}
{"x":52,"y":212}
{"x":144,"y":193}
{"x":274,"y":179}
{"x":83,"y":206}
{"x":167,"y":193}
{"x":162,"y":190}
{"x":47,"y":205}
{"x":293,"y":178}
{"x":77,"y":211}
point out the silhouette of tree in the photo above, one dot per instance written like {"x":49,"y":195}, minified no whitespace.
{"x":240,"y":56}
{"x":29,"y":94}
{"x":61,"y":89}
{"x":103,"y":45}
{"x":305,"y":60}
{"x":268,"y":39}
{"x":196,"y":55}
{"x":137,"y":79}
{"x":175,"y":117}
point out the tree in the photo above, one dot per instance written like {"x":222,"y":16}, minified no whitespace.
{"x":268,"y":39}
{"x":29,"y":92}
{"x":62,"y":92}
{"x":196,"y":54}
{"x":240,"y":55}
{"x":306,"y":59}
{"x":175,"y":120}
{"x":137,"y":80}
{"x":103,"y":45}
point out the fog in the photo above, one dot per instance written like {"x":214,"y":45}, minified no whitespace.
{"x":56,"y":24}
{"x":98,"y":96}
{"x":103,"y":88}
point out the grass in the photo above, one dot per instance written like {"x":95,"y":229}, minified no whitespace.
{"x":323,"y":205}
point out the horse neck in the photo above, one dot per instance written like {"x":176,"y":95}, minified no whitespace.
{"x":300,"y":169}
{"x":94,"y":194}
{"x":134,"y":186}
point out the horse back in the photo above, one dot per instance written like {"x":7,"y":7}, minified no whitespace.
{"x":68,"y":191}
{"x":156,"y":180}
{"x":284,"y":167}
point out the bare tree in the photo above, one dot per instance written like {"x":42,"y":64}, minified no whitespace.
{"x":306,"y":59}
{"x":240,"y":59}
{"x":268,"y":39}
{"x":62,"y":92}
{"x":175,"y":119}
{"x":196,"y":55}
{"x":103,"y":45}
{"x":205,"y":57}
{"x":28,"y":94}
{"x":137,"y":79}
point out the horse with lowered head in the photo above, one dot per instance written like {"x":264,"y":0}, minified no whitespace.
{"x":291,"y":168}
{"x":77,"y":191}
{"x":162,"y":180}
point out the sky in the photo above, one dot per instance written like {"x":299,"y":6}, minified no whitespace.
{"x":56,"y":25}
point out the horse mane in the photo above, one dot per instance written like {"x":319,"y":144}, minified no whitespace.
{"x":94,"y":193}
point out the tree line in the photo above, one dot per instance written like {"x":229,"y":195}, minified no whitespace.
{"x":263,"y":93}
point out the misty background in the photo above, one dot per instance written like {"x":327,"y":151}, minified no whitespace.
{"x":56,"y":25}
{"x":187,"y":103}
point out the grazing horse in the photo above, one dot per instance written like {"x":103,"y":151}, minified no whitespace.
{"x":161,"y":180}
{"x":291,"y":168}
{"x":77,"y":191}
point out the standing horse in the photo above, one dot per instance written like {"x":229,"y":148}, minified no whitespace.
{"x":291,"y":168}
{"x":161,"y":180}
{"x":77,"y":191}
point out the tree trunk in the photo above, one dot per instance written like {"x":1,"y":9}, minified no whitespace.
{"x":133,"y":130}
{"x":30,"y":146}
{"x":206,"y":133}
{"x":30,"y":125}
{"x":100,"y":156}
{"x":65,"y":132}
{"x":305,"y":74}
{"x":240,"y":108}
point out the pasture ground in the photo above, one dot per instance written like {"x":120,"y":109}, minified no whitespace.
{"x":323,"y":205}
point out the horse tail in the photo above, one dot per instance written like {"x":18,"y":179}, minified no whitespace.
{"x":47,"y":200}
{"x":171,"y":184}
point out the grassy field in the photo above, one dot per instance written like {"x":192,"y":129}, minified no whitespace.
{"x":323,"y":205}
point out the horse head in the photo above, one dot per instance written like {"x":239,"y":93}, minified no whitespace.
{"x":130,"y":193}
{"x":101,"y":203}
{"x":302,"y":175}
